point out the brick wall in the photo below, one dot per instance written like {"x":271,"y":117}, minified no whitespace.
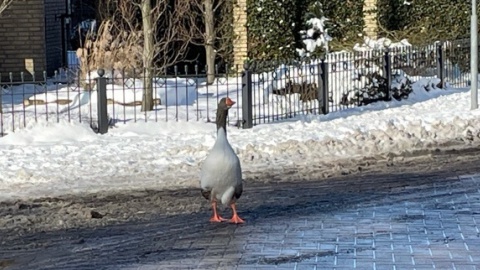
{"x":53,"y":34}
{"x":240,"y":42}
{"x":370,"y":18}
{"x":22,"y":31}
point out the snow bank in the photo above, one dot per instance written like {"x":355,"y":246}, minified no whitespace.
{"x":65,"y":158}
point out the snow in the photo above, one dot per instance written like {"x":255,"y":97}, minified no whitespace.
{"x":381,"y":43}
{"x":315,"y":36}
{"x":47,"y":159}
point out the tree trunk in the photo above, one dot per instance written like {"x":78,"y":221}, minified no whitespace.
{"x":209,"y":40}
{"x":148,"y":55}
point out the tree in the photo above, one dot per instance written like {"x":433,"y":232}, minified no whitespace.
{"x":156,"y":32}
{"x":4,"y":5}
{"x":214,"y":31}
{"x":166,"y":36}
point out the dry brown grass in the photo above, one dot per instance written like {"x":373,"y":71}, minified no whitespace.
{"x":111,"y":51}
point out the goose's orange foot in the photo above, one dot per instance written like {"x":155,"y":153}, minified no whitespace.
{"x":216,"y":218}
{"x":236,"y":219}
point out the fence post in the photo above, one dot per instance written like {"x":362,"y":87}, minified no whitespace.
{"x":247,"y":106}
{"x":102,"y":102}
{"x":387,"y":70}
{"x":322,"y":89}
{"x":440,"y":66}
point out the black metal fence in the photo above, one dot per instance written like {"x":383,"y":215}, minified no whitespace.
{"x":264,"y":91}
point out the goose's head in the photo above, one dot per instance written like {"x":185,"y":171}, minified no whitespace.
{"x":222,"y":111}
{"x":225,"y":104}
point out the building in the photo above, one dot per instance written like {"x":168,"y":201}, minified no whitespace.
{"x":33,"y":37}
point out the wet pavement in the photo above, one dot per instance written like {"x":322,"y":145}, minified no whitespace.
{"x":402,"y":220}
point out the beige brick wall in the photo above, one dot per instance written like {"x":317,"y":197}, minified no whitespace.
{"x":22,"y":38}
{"x":370,"y":18}
{"x":240,"y":43}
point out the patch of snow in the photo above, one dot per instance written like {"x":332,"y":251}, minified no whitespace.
{"x":379,"y":44}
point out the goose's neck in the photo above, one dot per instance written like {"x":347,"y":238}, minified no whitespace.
{"x":222,"y":120}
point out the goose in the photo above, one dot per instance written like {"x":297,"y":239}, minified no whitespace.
{"x":221,"y":174}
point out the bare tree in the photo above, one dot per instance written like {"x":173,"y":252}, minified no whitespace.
{"x":214,"y":30}
{"x":148,"y":52}
{"x":4,"y":5}
{"x":161,"y":28}
{"x":166,"y":35}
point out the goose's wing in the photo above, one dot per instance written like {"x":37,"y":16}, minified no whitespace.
{"x":238,"y":191}
{"x":238,"y":178}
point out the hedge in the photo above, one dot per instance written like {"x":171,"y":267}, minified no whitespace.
{"x":425,"y":21}
{"x":274,"y":25}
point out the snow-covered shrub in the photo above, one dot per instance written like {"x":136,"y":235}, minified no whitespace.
{"x":315,"y":38}
{"x":376,"y":89}
{"x":328,"y":21}
{"x":401,"y":86}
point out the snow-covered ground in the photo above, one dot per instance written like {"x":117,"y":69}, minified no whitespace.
{"x":47,"y":159}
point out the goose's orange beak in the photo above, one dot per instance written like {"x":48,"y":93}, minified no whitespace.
{"x":229,"y":102}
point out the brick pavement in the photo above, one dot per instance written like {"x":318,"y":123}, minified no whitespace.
{"x":402,"y":221}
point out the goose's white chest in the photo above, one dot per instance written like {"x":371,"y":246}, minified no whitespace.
{"x":221,"y":170}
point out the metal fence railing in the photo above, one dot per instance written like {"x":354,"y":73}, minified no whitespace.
{"x":69,"y":97}
{"x":265,"y":91}
{"x":279,"y":90}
